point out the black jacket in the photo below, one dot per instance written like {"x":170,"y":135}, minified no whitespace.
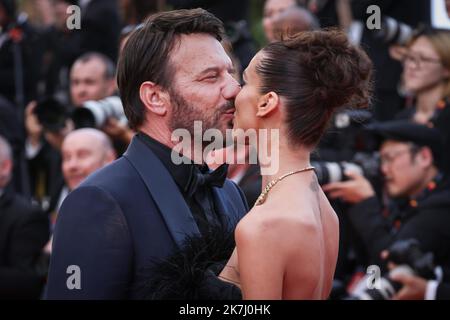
{"x":429,"y":223}
{"x":443,"y":292}
{"x":24,"y":231}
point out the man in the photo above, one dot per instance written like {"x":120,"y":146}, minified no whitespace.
{"x":141,"y":208}
{"x":23,"y":234}
{"x":92,"y":77}
{"x":83,"y":152}
{"x":420,"y":195}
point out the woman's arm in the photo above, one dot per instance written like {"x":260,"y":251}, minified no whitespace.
{"x":261,"y":264}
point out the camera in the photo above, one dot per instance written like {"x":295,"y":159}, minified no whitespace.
{"x":393,"y":31}
{"x":352,"y":149}
{"x":410,"y":259}
{"x":94,"y":114}
{"x":365,"y":164}
{"x":51,"y":114}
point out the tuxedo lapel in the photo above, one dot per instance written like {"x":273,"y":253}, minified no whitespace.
{"x":164,"y":191}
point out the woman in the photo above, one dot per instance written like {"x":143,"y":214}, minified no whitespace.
{"x":426,"y":76}
{"x":287,"y":245}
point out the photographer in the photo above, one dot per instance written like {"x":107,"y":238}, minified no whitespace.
{"x":420,"y":196}
{"x":417,"y":286}
{"x":92,"y":78}
{"x":92,"y":83}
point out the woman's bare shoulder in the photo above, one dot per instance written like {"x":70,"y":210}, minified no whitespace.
{"x":266,"y":224}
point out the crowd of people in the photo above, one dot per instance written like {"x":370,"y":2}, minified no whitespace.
{"x":74,"y":100}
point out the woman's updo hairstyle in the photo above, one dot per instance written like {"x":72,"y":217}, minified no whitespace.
{"x":316,"y":72}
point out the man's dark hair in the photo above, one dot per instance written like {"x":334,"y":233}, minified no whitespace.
{"x":146,"y":54}
{"x":110,"y":68}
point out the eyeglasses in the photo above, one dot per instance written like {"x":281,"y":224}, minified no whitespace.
{"x":418,"y":61}
{"x":389,"y":158}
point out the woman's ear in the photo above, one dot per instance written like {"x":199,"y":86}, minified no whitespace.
{"x":153,"y":98}
{"x":267,"y":103}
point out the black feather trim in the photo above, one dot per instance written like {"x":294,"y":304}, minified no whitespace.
{"x":190,"y":273}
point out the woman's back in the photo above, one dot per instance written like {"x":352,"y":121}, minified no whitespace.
{"x":296,"y":236}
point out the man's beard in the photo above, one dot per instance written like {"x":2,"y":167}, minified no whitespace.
{"x":185,"y":114}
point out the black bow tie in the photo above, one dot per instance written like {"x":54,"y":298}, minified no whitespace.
{"x":214,"y":178}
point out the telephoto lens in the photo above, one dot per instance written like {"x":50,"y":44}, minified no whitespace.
{"x":94,"y":114}
{"x":51,"y":114}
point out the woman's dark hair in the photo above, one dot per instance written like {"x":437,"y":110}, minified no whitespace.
{"x":146,"y":54}
{"x":316,"y":72}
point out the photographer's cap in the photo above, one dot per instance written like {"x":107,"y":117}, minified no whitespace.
{"x":408,"y":131}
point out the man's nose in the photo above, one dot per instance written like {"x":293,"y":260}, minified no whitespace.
{"x":72,"y":164}
{"x":384,"y":168}
{"x":231,"y":89}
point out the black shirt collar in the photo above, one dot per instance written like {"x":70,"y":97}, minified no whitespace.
{"x":184,"y":173}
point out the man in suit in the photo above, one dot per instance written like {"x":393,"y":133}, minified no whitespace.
{"x":23,"y":234}
{"x":83,"y":151}
{"x":142,"y":207}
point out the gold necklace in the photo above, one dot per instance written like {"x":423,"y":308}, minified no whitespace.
{"x":262,"y":197}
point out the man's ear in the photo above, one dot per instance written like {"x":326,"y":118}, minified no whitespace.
{"x":267,"y":103}
{"x":153,"y":98}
